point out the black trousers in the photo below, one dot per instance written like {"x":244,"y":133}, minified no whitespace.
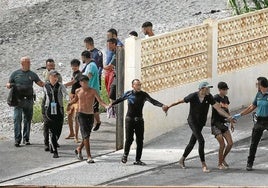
{"x":256,"y":135}
{"x":196,"y":136}
{"x":54,"y":128}
{"x":134,"y":125}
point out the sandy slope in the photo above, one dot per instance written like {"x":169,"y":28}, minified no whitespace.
{"x":56,"y":28}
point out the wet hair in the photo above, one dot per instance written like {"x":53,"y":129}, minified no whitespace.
{"x":147,"y":24}
{"x":86,"y":54}
{"x":75,"y":62}
{"x":133,"y":33}
{"x":83,"y":78}
{"x":113,"y":31}
{"x":135,"y":80}
{"x":89,"y":40}
{"x":50,"y":60}
{"x":112,"y":40}
{"x":264,"y":83}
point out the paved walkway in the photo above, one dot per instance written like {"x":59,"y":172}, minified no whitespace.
{"x":37,"y":167}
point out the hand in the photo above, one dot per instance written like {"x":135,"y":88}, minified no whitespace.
{"x":236,"y":116}
{"x":232,"y":127}
{"x":8,"y":85}
{"x":165,"y":108}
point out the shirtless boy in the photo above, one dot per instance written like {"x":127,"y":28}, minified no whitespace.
{"x":85,"y":96}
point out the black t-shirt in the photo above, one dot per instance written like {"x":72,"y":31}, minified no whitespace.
{"x":199,"y":111}
{"x":224,"y":103}
{"x":76,"y":85}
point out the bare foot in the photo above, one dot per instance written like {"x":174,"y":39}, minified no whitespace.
{"x":70,"y":136}
{"x":76,"y":140}
{"x":221,"y":167}
{"x":205,"y":169}
{"x":225,"y":164}
{"x":181,"y":163}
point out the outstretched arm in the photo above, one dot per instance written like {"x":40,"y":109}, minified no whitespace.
{"x":122,"y":98}
{"x":156,"y":103}
{"x":180,"y":101}
{"x":102,"y":103}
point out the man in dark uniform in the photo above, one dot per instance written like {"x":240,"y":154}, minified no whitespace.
{"x":22,"y":80}
{"x":134,"y":120}
{"x":261,"y":103}
{"x":199,"y":105}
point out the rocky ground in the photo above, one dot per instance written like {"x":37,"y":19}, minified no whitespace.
{"x":54,"y":29}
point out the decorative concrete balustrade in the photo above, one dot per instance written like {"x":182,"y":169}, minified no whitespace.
{"x":171,"y":65}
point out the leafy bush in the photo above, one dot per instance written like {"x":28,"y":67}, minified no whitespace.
{"x":37,"y":111}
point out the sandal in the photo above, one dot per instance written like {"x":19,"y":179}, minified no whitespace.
{"x":124,"y":159}
{"x":90,"y":161}
{"x":78,"y":155}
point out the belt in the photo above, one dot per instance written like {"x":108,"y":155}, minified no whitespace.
{"x":259,"y":118}
{"x":136,"y":118}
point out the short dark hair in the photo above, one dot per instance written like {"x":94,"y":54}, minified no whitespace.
{"x":83,"y":78}
{"x":147,"y":24}
{"x":112,"y":40}
{"x":50,"y":60}
{"x":75,"y":62}
{"x":261,"y":78}
{"x":86,"y":54}
{"x":113,"y":31}
{"x":264,"y":83}
{"x":135,"y":80}
{"x":133,"y":33}
{"x":89,"y":40}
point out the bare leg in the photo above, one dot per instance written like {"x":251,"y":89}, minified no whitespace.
{"x":87,"y":146}
{"x":70,"y":122}
{"x":76,"y":130}
{"x":221,"y":150}
{"x":227,"y":135}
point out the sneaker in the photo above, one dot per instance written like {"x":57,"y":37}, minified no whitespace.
{"x":78,"y":155}
{"x":17,"y":144}
{"x":139,"y":163}
{"x":90,"y":161}
{"x":26,"y":142}
{"x":249,"y":167}
{"x":55,"y":155}
{"x":97,"y":126}
{"x":46,"y":148}
{"x":124,"y":159}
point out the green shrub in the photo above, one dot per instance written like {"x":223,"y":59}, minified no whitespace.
{"x":37,"y":111}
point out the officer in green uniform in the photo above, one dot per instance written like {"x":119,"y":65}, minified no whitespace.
{"x":22,"y":81}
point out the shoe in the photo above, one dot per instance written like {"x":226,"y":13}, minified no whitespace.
{"x":139,"y":163}
{"x":124,"y":159}
{"x":46,"y":148}
{"x":17,"y":144}
{"x":51,"y":148}
{"x":78,"y":155}
{"x":77,"y":140}
{"x":26,"y":142}
{"x":55,"y":155}
{"x":58,"y":145}
{"x":97,"y":126}
{"x":90,"y":161}
{"x":249,"y":167}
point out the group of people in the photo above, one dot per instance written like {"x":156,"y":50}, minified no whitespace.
{"x":21,"y":82}
{"x":84,"y":100}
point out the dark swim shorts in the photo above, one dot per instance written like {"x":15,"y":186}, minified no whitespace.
{"x":86,"y":122}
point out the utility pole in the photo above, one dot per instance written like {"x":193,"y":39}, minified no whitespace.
{"x":120,"y":80}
